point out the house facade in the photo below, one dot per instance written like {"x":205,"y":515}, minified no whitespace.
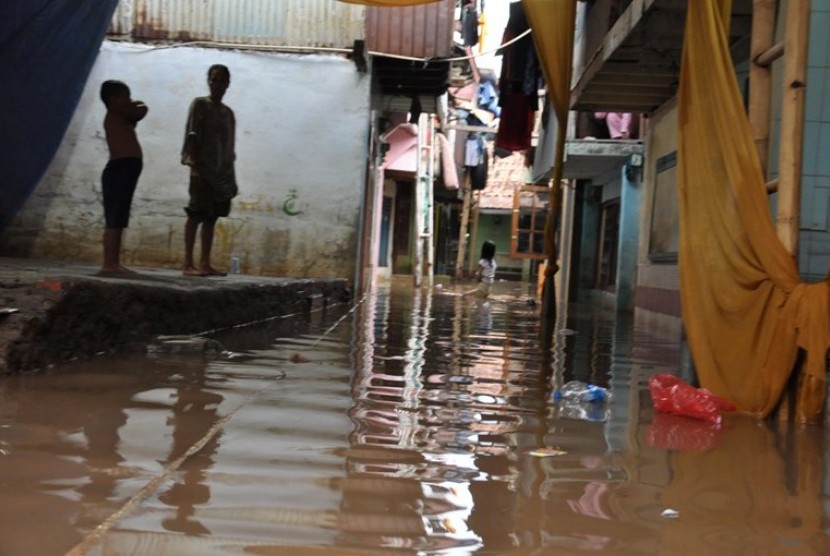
{"x":448,"y":165}
{"x":627,"y":60}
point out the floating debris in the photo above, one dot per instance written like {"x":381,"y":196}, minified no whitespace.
{"x":546,"y":452}
{"x":391,"y":358}
{"x":669,"y":513}
{"x":583,"y":392}
{"x":185,"y":344}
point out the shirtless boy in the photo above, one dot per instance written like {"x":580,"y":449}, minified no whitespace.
{"x":123,"y":168}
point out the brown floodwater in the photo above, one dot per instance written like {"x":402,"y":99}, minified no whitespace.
{"x":405,"y":426}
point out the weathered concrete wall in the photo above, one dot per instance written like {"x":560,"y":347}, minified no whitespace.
{"x":63,"y":312}
{"x":301,"y":141}
{"x":658,"y":283}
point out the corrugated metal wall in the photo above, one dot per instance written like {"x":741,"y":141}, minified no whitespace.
{"x":423,"y":31}
{"x":306,"y":23}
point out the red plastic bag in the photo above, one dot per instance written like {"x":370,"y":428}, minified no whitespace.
{"x":671,"y":395}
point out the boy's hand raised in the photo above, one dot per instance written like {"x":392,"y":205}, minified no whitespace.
{"x":136,"y":111}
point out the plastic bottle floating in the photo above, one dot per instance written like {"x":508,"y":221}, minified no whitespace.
{"x":577,"y":390}
{"x":583,"y":402}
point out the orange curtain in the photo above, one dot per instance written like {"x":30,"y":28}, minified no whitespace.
{"x":745,"y":310}
{"x":552,"y":24}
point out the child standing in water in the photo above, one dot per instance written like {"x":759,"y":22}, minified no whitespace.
{"x":486,"y":271}
{"x":123,"y":168}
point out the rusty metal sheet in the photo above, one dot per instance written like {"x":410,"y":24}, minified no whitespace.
{"x":302,"y":23}
{"x":423,"y":31}
{"x":122,"y":19}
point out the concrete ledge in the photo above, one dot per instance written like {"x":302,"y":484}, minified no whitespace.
{"x":66,"y":311}
{"x":587,"y":159}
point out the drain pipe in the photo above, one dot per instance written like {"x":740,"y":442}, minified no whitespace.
{"x":430,"y":200}
{"x":364,"y":252}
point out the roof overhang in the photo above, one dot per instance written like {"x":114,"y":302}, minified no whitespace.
{"x":407,"y":78}
{"x":636,"y":68}
{"x":587,"y":159}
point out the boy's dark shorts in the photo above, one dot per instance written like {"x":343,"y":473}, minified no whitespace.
{"x":118,"y":185}
{"x":203,"y":206}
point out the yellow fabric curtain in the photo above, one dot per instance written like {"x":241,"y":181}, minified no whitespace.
{"x":745,"y":310}
{"x":552,"y":24}
{"x":389,"y":3}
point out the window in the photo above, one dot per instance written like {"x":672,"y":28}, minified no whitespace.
{"x":530,"y":214}
{"x":665,"y":233}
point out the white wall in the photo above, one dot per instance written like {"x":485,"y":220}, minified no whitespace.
{"x":302,"y":125}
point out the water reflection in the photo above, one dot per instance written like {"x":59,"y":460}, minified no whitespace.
{"x":761,"y":486}
{"x":75,"y":448}
{"x":193,"y":414}
{"x":482,"y":403}
{"x":410,"y":429}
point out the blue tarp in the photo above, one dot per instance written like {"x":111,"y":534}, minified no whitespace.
{"x":47,"y":49}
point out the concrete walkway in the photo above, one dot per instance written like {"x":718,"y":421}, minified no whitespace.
{"x":56,"y":311}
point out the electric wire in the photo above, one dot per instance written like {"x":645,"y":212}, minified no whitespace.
{"x":326,"y":50}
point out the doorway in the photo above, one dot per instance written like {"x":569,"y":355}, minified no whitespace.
{"x":606,"y":278}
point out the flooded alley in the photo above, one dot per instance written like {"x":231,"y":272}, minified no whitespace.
{"x":409,"y":422}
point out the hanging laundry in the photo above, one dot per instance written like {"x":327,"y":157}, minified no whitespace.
{"x":619,"y":123}
{"x":518,"y":84}
{"x":469,"y":23}
{"x":488,"y":98}
{"x":474,"y":151}
{"x":516,"y":124}
{"x":478,"y":174}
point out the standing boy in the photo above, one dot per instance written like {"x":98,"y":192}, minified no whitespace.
{"x":209,"y":151}
{"x":123,"y":168}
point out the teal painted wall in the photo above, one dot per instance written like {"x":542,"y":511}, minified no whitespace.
{"x":814,"y":254}
{"x":496,"y":228}
{"x":630,"y":201}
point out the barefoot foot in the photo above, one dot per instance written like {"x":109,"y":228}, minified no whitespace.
{"x":192,"y":271}
{"x":208,"y":270}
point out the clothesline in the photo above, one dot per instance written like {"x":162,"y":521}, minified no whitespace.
{"x":323,"y":49}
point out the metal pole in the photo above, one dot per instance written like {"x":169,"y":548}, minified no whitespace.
{"x":430,"y":199}
{"x":369,"y":214}
{"x":418,"y":220}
